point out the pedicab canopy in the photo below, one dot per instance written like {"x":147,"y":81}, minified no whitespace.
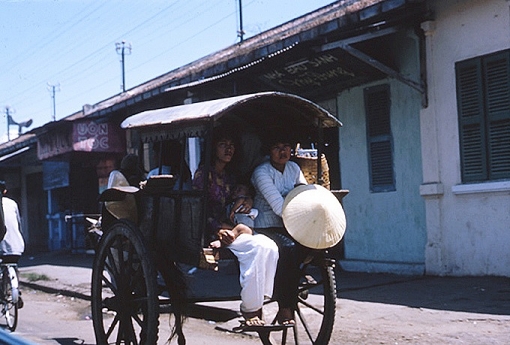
{"x":254,"y":112}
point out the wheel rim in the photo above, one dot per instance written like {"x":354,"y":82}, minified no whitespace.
{"x":315,"y":312}
{"x":124,"y":299}
{"x":10,"y":308}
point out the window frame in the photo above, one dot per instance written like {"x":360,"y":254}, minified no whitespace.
{"x":483,"y":113}
{"x":377,"y":101}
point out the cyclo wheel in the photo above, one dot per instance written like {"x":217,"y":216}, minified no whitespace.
{"x":10,"y":306}
{"x":315,"y":313}
{"x":316,"y":306}
{"x":125,"y":307}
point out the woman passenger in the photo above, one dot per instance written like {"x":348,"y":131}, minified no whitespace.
{"x":257,"y":254}
{"x":273,"y":180}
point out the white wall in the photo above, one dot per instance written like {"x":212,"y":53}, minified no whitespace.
{"x":385,"y":231}
{"x":468,"y":226}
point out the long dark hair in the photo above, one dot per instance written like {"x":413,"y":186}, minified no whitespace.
{"x":224,"y":133}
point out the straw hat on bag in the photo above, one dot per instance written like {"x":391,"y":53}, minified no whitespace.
{"x":314,"y":217}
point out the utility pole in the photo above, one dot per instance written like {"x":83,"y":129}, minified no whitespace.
{"x":8,"y":111}
{"x":240,"y":33}
{"x":53,"y":89}
{"x":123,"y":49}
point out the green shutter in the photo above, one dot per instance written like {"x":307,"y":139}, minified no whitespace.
{"x":497,"y":90}
{"x":471,"y":124}
{"x":380,"y":150}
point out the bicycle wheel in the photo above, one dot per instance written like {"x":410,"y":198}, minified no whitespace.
{"x":10,"y":307}
{"x":125,"y":306}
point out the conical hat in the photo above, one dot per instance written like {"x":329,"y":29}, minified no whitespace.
{"x":314,"y":217}
{"x":121,"y":202}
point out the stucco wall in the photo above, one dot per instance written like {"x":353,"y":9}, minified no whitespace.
{"x":468,"y":225}
{"x":385,"y":231}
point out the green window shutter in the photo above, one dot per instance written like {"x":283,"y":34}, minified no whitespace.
{"x":497,"y":90}
{"x":380,"y":148}
{"x":471,"y":121}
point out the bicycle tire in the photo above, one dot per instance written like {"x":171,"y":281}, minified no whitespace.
{"x":9,"y":307}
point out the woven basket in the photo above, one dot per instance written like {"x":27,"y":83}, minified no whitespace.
{"x":309,"y":168}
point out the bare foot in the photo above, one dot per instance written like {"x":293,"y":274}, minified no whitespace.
{"x":215,"y":244}
{"x":252,"y":314}
{"x":286,"y":317}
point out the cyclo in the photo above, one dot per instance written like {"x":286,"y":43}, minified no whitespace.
{"x":138,"y":268}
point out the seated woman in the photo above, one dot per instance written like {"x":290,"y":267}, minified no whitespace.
{"x":273,"y":180}
{"x":257,"y":254}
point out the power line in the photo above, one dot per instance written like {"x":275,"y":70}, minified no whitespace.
{"x":76,"y":70}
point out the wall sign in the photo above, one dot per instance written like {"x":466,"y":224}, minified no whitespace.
{"x":83,"y":136}
{"x":55,"y":175}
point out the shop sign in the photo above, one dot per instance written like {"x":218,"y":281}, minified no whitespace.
{"x":314,"y":72}
{"x":55,"y":175}
{"x":86,"y":136}
{"x":89,"y":136}
{"x":53,"y":144}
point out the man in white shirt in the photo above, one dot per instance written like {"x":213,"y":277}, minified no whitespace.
{"x":12,"y":245}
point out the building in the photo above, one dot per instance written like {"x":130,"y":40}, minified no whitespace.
{"x":422,"y":88}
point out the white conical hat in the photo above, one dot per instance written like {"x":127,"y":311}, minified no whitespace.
{"x":314,"y":217}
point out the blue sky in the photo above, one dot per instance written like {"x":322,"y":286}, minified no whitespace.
{"x":69,"y":46}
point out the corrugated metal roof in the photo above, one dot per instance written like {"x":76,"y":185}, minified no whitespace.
{"x":18,"y":143}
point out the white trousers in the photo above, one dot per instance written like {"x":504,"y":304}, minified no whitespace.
{"x":258,"y":257}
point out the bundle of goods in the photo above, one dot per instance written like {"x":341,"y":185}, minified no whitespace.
{"x":307,"y":160}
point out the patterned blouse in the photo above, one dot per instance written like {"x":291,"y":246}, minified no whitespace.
{"x":221,"y":187}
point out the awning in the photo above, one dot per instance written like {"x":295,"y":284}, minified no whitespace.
{"x":260,"y":104}
{"x":13,"y":154}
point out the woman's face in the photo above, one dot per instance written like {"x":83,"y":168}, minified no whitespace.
{"x":225,"y":150}
{"x":280,"y":153}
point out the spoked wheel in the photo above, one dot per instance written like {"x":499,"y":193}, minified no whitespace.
{"x":125,"y":306}
{"x":10,"y":305}
{"x":315,"y":313}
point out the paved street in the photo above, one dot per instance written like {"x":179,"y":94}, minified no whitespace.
{"x":371,"y":309}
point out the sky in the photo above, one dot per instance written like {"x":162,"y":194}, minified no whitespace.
{"x":58,"y":55}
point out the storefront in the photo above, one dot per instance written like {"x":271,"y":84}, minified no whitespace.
{"x":76,"y":158}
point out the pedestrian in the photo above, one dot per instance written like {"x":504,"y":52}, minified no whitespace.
{"x":12,"y":245}
{"x":168,"y":157}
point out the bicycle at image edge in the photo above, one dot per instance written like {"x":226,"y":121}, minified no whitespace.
{"x":10,"y":296}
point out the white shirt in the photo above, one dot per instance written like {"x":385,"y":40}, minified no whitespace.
{"x":167,"y":170}
{"x":271,"y":188}
{"x":13,"y":243}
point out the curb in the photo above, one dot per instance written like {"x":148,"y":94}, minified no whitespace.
{"x":53,"y":290}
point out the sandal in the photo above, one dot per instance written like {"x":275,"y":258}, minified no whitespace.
{"x":253,"y":322}
{"x":249,"y":324}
